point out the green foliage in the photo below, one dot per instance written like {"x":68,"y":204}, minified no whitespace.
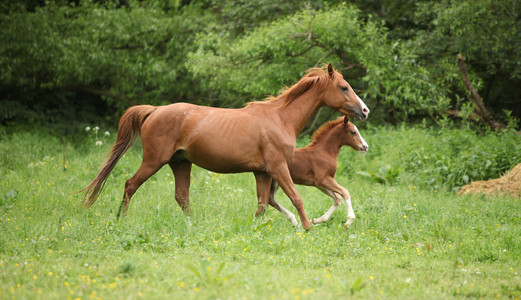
{"x":236,"y":17}
{"x":484,"y":33}
{"x":78,"y":61}
{"x":124,"y":55}
{"x":208,"y":276}
{"x":444,"y":158}
{"x":357,"y":286}
{"x":261,"y":61}
{"x":461,"y":157}
{"x":386,"y":174}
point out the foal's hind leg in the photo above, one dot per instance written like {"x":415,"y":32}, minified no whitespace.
{"x":263,"y":181}
{"x":290,"y":216}
{"x":181,"y":172}
{"x":147,"y":169}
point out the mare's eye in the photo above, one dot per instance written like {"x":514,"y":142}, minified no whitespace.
{"x":344,"y":88}
{"x":353,"y":132}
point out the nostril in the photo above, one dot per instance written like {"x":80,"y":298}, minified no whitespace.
{"x":365,"y":110}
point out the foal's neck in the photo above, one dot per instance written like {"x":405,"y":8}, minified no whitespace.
{"x":331,"y":141}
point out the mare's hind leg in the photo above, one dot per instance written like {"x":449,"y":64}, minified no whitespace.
{"x":181,"y":172}
{"x":147,"y":169}
{"x":290,"y":216}
{"x":263,"y":181}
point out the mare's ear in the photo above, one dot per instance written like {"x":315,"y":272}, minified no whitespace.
{"x":346,"y":120}
{"x":330,"y":70}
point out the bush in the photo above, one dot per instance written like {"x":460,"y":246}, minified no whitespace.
{"x":436,"y":158}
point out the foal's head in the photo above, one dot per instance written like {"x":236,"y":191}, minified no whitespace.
{"x":352,"y":137}
{"x":340,"y":96}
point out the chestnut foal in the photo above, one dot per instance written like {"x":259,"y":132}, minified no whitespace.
{"x":316,"y":164}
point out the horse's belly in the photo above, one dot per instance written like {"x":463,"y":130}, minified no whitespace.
{"x":227,"y":166}
{"x":225,"y":160}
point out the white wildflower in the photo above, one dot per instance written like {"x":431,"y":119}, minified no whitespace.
{"x":99,"y":143}
{"x":96,"y":129}
{"x":87,"y":128}
{"x":107,"y":133}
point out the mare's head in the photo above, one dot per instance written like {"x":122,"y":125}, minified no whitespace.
{"x":352,"y":137}
{"x":340,"y":96}
{"x":330,"y":88}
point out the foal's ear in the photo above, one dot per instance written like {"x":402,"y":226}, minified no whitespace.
{"x":330,"y":70}
{"x":346,"y":120}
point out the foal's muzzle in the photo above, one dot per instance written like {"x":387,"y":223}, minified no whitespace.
{"x":364,"y":148}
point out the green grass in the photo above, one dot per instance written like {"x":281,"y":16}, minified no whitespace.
{"x":408,"y":241}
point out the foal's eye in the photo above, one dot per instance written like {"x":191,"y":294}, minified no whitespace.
{"x":344,"y":88}
{"x":353,"y":132}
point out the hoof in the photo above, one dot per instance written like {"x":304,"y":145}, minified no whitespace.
{"x":308,"y":228}
{"x":187,"y":211}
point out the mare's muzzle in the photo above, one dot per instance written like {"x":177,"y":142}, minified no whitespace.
{"x":362,"y":114}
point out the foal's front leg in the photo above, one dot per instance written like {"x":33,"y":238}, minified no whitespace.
{"x":333,"y":187}
{"x":336,"y":202}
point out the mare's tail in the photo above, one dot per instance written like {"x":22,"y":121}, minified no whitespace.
{"x":128,"y":130}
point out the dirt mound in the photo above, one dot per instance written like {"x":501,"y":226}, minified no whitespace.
{"x":508,"y":184}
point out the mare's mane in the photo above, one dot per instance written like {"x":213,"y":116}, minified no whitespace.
{"x":326,"y":127}
{"x":315,"y":79}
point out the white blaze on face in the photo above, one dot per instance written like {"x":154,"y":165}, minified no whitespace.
{"x":364,"y":143}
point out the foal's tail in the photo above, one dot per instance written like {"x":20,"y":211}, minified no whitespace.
{"x":128,"y":130}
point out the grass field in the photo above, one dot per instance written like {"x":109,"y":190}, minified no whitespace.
{"x":409,"y":241}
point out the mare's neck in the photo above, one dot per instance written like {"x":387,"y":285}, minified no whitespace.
{"x":297,"y":114}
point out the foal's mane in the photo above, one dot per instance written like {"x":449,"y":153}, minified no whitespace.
{"x":326,"y":127}
{"x":316,"y":79}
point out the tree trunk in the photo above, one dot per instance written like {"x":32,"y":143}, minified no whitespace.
{"x":475,"y":98}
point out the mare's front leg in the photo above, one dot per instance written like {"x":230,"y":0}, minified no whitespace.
{"x":181,"y":172}
{"x":330,"y":184}
{"x":263,"y":181}
{"x":290,"y":216}
{"x":280,"y":173}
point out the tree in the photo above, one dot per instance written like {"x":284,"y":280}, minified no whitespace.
{"x":75,"y":58}
{"x":124,"y":55}
{"x":258,"y":63}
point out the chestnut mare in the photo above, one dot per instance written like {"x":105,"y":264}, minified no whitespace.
{"x":315,"y":165}
{"x":258,"y":138}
